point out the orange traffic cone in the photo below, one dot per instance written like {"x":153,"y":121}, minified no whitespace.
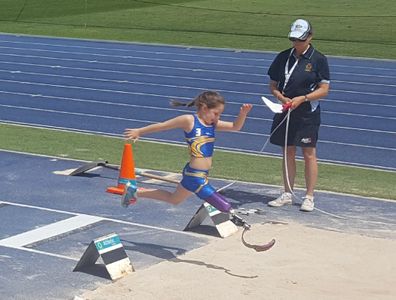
{"x":127,"y":172}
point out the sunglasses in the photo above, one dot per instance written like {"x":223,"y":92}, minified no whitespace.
{"x":296,"y":40}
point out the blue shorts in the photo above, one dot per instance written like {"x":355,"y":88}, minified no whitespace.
{"x":196,"y":181}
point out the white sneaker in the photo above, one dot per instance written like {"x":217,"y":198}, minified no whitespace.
{"x":285,"y":198}
{"x":307,"y":204}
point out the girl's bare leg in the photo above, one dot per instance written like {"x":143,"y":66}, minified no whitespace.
{"x":176,"y":197}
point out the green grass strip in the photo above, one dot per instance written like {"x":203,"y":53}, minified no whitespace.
{"x":228,"y":165}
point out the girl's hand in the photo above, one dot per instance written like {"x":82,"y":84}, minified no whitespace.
{"x":246,"y":108}
{"x":132,"y":134}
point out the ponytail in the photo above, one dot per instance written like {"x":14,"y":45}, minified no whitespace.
{"x":175,"y":103}
{"x":209,"y":98}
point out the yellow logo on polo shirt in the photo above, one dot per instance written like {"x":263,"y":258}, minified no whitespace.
{"x":308,"y":67}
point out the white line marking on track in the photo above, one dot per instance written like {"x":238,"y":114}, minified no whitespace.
{"x":262,"y":77}
{"x":77,"y":221}
{"x":170,"y":52}
{"x":132,"y":64}
{"x":105,"y":218}
{"x":208,"y":70}
{"x":50,"y":230}
{"x":130,"y":73}
{"x":104,"y":102}
{"x":145,"y":51}
{"x":224,"y":115}
{"x":167,"y":86}
{"x":122,"y":57}
{"x":45,"y":253}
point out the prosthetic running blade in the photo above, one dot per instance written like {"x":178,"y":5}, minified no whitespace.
{"x":237,"y":220}
{"x":258,"y":248}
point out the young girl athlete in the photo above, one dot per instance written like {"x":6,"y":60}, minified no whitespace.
{"x":199,"y":131}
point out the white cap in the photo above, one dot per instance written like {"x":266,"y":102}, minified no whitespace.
{"x":300,"y":29}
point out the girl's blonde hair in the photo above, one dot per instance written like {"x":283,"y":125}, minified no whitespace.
{"x":211,"y":99}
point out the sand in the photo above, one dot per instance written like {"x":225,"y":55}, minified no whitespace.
{"x":305,"y":263}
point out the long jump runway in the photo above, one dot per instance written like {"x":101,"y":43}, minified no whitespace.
{"x":47,"y":221}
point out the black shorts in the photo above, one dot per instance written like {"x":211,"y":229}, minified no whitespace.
{"x":303,"y":130}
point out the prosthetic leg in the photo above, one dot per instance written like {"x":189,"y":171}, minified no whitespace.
{"x":219,"y":202}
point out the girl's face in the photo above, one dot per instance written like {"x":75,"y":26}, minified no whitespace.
{"x":211,"y":115}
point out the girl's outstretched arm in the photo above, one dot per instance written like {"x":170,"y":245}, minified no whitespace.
{"x":184,"y":122}
{"x":239,"y":121}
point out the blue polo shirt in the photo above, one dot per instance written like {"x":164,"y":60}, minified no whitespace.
{"x":311,"y":69}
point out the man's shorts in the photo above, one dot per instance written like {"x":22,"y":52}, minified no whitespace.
{"x":196,"y":181}
{"x":302,"y":131}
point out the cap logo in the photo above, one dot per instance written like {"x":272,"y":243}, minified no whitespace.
{"x":300,"y":29}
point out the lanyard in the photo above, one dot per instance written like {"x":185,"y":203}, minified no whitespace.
{"x":287,"y":72}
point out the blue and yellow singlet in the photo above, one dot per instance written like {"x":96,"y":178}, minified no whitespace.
{"x":200,"y":139}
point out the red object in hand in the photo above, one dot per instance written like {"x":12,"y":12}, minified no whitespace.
{"x":286,"y":106}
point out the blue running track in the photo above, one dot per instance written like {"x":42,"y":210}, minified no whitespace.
{"x":104,"y":87}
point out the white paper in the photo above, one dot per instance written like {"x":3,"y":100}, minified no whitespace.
{"x":274,"y":107}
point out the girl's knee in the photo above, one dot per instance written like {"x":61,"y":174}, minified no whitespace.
{"x":176,"y":198}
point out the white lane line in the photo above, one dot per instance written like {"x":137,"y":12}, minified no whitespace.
{"x":128,"y":73}
{"x":136,"y":73}
{"x":248,"y":82}
{"x":75,"y":113}
{"x":45,"y":253}
{"x":103,"y":102}
{"x":132,"y":64}
{"x":173,"y":68}
{"x":107,"y":219}
{"x":224,"y":115}
{"x":178,"y":77}
{"x":77,"y":221}
{"x":134,"y":57}
{"x":129,"y":50}
{"x":262,"y":76}
{"x":175,"y":54}
{"x":48,"y":231}
{"x":131,"y":83}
